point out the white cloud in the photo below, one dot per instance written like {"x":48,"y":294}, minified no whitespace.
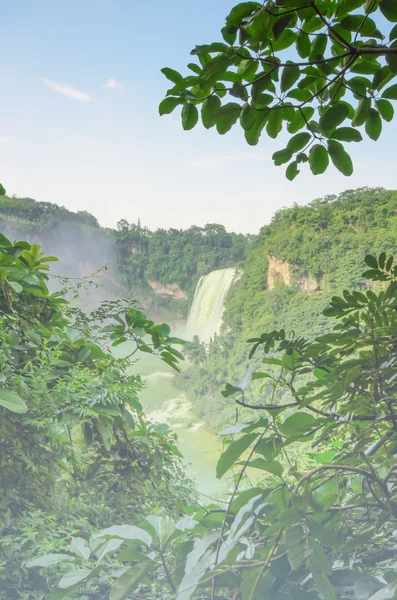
{"x":67,"y":90}
{"x":113,"y":84}
{"x":210,"y":162}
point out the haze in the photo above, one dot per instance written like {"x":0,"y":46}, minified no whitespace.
{"x":80,"y":125}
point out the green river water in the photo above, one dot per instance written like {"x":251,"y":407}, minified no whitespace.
{"x":166,"y":404}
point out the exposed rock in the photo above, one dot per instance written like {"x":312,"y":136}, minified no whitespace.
{"x":309,"y":284}
{"x":278,"y":270}
{"x":170,"y":290}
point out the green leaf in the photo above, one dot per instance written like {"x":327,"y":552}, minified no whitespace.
{"x":209,"y":110}
{"x":172,"y":75}
{"x":109,"y":546}
{"x":333,"y":117}
{"x":289,"y":76}
{"x":2,"y":190}
{"x":15,"y":286}
{"x":125,"y":532}
{"x":393,"y":34}
{"x":324,"y":586}
{"x":361,"y":23}
{"x":261,"y":83}
{"x":283,"y":21}
{"x":389,"y":10}
{"x":282,"y":156}
{"x":96,"y":351}
{"x":371,"y":261}
{"x":214,"y":67}
{"x":271,"y":466}
{"x":253,"y":134}
{"x":385,"y":109}
{"x":48,"y":560}
{"x":297,"y":424}
{"x":247,"y":117}
{"x":80,"y":547}
{"x":168,"y":104}
{"x":391,"y":60}
{"x":347,"y":134}
{"x":361,"y":112}
{"x":164,"y":528}
{"x":299,"y":141}
{"x":241,"y":10}
{"x":129,"y":580}
{"x":227,"y":116}
{"x":269,"y":447}
{"x":233,"y":453}
{"x":286,"y":39}
{"x":318,"y":46}
{"x":239,"y":91}
{"x":230,"y":390}
{"x":73,"y":577}
{"x":382,"y":77}
{"x":292,"y":171}
{"x":300,"y":118}
{"x":274,"y":123}
{"x":290,"y":360}
{"x":318,"y":159}
{"x":12,"y":401}
{"x":340,"y":158}
{"x":303,"y":44}
{"x":391,"y":92}
{"x":189,"y":116}
{"x":373,"y":124}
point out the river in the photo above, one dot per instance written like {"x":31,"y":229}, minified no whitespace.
{"x":199,"y":445}
{"x":164,"y":403}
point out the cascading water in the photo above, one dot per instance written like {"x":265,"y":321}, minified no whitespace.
{"x":205,"y":317}
{"x":166,"y":404}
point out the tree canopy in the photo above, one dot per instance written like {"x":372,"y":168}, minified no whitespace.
{"x":321,"y":69}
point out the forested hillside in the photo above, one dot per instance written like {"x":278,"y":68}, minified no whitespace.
{"x":160,"y":268}
{"x":306,"y":255}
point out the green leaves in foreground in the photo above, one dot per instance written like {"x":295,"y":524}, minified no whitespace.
{"x":318,"y":159}
{"x":129,"y":580}
{"x":340,"y":157}
{"x":12,"y":401}
{"x":233,"y":453}
{"x":343,"y":79}
{"x":189,"y":116}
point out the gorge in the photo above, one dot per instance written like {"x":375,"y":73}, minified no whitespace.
{"x":121,"y":438}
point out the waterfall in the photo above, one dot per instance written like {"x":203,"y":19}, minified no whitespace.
{"x":205,"y":315}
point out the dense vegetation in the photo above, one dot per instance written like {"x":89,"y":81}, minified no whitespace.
{"x":320,"y":68}
{"x":133,"y":254}
{"x":94,"y":503}
{"x":175,"y":255}
{"x":77,"y":451}
{"x":322,"y":528}
{"x":82,"y":470}
{"x":326,"y":240}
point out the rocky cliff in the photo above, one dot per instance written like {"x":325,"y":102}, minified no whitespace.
{"x":281,"y":270}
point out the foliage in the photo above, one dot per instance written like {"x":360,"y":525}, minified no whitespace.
{"x":321,"y":68}
{"x":133,"y":254}
{"x":322,"y":243}
{"x":77,"y":451}
{"x":326,"y":531}
{"x":174,"y":255}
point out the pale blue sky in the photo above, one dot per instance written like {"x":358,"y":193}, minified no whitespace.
{"x":79,"y":125}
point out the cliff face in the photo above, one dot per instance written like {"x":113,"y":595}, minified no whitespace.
{"x":168,"y":290}
{"x":280,"y":270}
